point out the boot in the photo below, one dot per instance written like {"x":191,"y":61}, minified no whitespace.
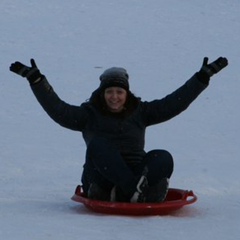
{"x":158,"y":192}
{"x":95,"y":192}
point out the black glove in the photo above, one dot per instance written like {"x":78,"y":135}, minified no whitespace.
{"x":207,"y":70}
{"x":32,"y":73}
{"x":213,"y":67}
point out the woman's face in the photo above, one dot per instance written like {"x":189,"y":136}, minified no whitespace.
{"x":115,"y":98}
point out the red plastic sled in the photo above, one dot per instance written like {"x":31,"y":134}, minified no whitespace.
{"x":176,"y":199}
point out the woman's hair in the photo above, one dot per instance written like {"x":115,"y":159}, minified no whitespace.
{"x":97,"y":99}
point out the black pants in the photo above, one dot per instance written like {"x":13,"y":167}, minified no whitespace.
{"x":105,"y":166}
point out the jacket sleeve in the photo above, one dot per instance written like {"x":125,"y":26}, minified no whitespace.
{"x":158,"y":111}
{"x":69,"y":116}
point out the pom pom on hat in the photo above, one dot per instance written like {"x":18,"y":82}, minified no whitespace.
{"x":114,"y":77}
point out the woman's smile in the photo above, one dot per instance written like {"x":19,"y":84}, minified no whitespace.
{"x":115,"y":98}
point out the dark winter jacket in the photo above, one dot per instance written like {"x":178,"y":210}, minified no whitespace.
{"x":127,"y":132}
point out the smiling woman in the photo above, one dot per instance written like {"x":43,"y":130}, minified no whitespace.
{"x":113,"y":124}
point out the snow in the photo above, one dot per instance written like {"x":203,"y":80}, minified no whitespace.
{"x":161,"y":44}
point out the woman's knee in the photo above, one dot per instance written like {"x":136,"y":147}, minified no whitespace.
{"x":160,"y":163}
{"x":160,"y":155}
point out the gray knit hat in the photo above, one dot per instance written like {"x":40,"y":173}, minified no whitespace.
{"x":114,"y":77}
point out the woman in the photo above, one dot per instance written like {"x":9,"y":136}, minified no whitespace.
{"x":113,"y":124}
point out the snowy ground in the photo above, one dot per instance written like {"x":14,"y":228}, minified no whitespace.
{"x":161,"y":43}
